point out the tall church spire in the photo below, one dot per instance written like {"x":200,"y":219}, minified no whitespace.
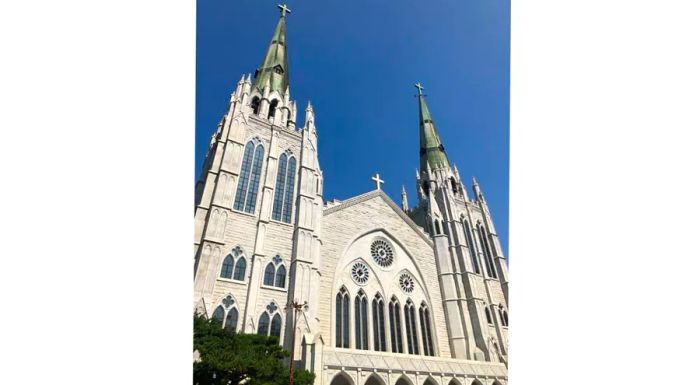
{"x":274,"y":68}
{"x":432,"y":152}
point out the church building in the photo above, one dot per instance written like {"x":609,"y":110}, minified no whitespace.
{"x":360,"y":291}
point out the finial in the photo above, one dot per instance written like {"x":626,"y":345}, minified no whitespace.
{"x":283,"y":9}
{"x":420,"y":88}
{"x":248,"y":79}
{"x":474,"y":181}
{"x":309,"y":107}
{"x":378,"y":181}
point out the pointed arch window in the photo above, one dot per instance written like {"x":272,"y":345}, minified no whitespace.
{"x":488,"y":315}
{"x":231,"y":320}
{"x":361,"y":334}
{"x":249,"y":178}
{"x":227,"y":267}
{"x":437,"y":227}
{"x":227,"y":314}
{"x":280,"y":276}
{"x":276,"y":326}
{"x":270,"y":321}
{"x":255,"y":105}
{"x":378,"y":323}
{"x":284,"y":191}
{"x":218,"y":314}
{"x":411,"y":332}
{"x":395,"y":326}
{"x":490,"y":268}
{"x":273,"y":109}
{"x":426,"y":331}
{"x":237,"y":259}
{"x":275,"y":273}
{"x":503,"y":315}
{"x":269,"y":274}
{"x":239,"y":271}
{"x":470,"y":246}
{"x":342,"y":319}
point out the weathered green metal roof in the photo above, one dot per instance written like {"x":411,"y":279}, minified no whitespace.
{"x":274,"y":67}
{"x":432,"y":152}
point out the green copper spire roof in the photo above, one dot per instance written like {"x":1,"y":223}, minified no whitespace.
{"x":432,"y":152}
{"x":274,"y":67}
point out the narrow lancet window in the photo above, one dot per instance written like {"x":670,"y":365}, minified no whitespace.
{"x":249,"y":178}
{"x":227,"y":267}
{"x":426,"y":331}
{"x":269,"y":279}
{"x":361,"y":336}
{"x":411,"y":334}
{"x":378,"y":324}
{"x":279,"y":188}
{"x":342,"y":319}
{"x":395,"y":326}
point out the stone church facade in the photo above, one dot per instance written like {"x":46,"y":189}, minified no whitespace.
{"x":386,"y":295}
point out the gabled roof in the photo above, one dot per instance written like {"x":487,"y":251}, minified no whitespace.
{"x":379,"y":193}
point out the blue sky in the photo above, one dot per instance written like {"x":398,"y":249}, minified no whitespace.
{"x":357,"y":62}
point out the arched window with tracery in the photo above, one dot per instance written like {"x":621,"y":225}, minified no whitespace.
{"x":426,"y":331}
{"x":275,"y":273}
{"x":378,"y":323}
{"x":361,"y":334}
{"x":249,"y":178}
{"x":395,"y":325}
{"x":237,"y":259}
{"x":284,"y":191}
{"x":411,"y":332}
{"x":226,"y":313}
{"x":265,"y":327}
{"x":342,"y":319}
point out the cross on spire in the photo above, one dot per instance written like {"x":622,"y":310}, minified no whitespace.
{"x":420,"y":88}
{"x":284,"y":9}
{"x":378,"y":181}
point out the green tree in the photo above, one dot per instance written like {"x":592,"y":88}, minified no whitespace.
{"x":231,"y":358}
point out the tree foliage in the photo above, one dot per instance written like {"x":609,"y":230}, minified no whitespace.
{"x":231,"y":358}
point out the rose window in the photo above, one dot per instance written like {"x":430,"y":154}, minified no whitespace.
{"x":382,"y":253}
{"x":406,"y":283}
{"x":360,"y":273}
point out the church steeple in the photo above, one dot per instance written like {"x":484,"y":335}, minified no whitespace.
{"x":432,"y":152}
{"x":274,"y":69}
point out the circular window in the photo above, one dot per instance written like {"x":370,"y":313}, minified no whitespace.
{"x":360,"y":273}
{"x":382,"y":253}
{"x":406,"y":283}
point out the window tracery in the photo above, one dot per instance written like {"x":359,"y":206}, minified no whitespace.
{"x":359,"y":273}
{"x":382,"y":253}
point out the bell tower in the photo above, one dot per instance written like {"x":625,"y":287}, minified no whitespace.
{"x":259,"y":199}
{"x":446,"y":212}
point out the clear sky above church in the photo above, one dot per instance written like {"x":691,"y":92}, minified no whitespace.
{"x":357,"y":62}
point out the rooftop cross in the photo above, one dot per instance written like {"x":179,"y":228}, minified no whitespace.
{"x":284,"y":9}
{"x":378,"y":181}
{"x":420,"y":88}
